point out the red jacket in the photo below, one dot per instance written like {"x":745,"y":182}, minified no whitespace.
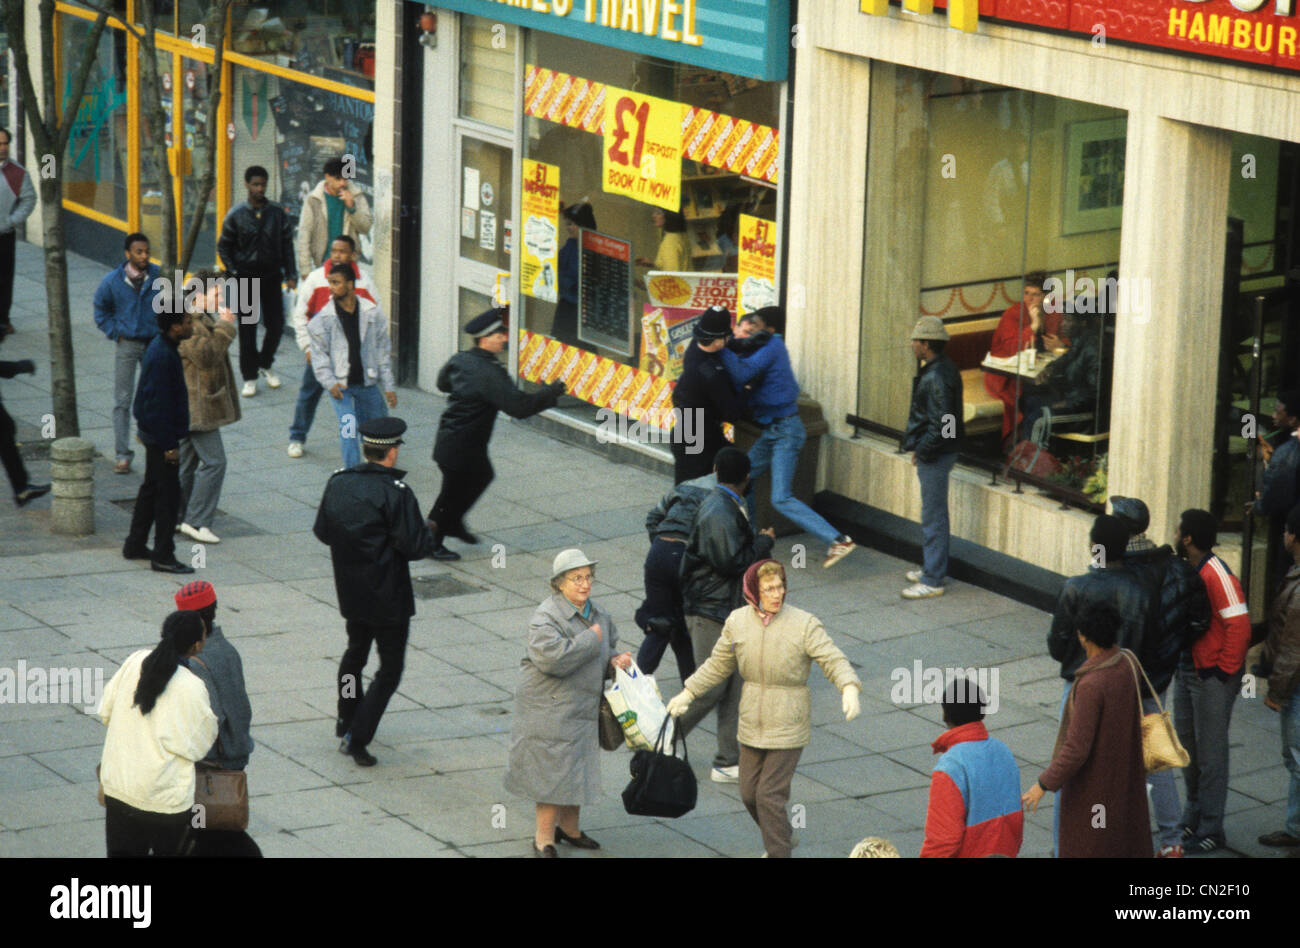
{"x":974,"y":797}
{"x":1225,"y":643}
{"x":1004,"y":337}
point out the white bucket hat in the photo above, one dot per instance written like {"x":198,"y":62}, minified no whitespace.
{"x":566,"y":560}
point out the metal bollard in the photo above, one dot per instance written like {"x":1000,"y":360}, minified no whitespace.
{"x":72,"y":510}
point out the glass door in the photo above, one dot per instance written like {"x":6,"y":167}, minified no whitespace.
{"x":484,"y":221}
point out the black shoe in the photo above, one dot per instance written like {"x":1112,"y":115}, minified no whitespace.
{"x":1203,"y":845}
{"x":359,"y":754}
{"x":581,"y":841}
{"x":546,"y":852}
{"x":463,"y":535}
{"x":136,"y":553}
{"x":31,"y":493}
{"x":440,"y":552}
{"x":173,"y":566}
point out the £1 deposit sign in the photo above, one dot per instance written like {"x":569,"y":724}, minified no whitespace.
{"x":643,"y":148}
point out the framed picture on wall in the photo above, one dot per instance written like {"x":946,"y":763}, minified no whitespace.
{"x":1094,"y":176}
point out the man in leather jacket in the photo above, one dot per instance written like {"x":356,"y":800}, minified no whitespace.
{"x":721,"y":546}
{"x":256,"y":246}
{"x":479,"y":387}
{"x":371,"y":521}
{"x":936,"y":427}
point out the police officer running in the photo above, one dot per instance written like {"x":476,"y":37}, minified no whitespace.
{"x":371,"y":521}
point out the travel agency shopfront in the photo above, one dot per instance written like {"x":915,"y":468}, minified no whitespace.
{"x":667,"y":119}
{"x":1143,"y":159}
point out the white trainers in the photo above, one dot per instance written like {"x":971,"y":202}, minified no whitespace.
{"x":249,"y":389}
{"x":272,"y":380}
{"x":841,"y":548}
{"x":914,"y":575}
{"x":295,"y":449}
{"x":725,"y":774}
{"x":202,"y":534}
{"x":922,"y":591}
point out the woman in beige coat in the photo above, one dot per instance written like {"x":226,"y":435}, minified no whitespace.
{"x":773,"y":646}
{"x":211,"y":383}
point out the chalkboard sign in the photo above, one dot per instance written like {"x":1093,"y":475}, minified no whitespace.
{"x":605,"y":292}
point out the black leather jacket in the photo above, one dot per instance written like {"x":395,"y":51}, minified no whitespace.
{"x":372,"y":523}
{"x":722,"y":545}
{"x":674,"y":515}
{"x":936,"y":411}
{"x":1114,"y":585}
{"x":258,"y":246}
{"x":1180,"y":612}
{"x":479,"y":387}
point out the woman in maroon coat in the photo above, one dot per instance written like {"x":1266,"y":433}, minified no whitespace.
{"x":1097,"y":763}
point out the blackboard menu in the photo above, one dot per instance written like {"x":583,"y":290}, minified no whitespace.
{"x":605,"y":292}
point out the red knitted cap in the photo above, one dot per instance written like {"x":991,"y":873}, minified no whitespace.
{"x":194,"y":596}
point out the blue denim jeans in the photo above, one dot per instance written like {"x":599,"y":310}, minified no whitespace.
{"x":777,"y":449}
{"x":933,"y":476}
{"x":359,"y":403}
{"x":1291,"y":758}
{"x":1165,"y":803}
{"x":1202,"y":715}
{"x":304,"y":413}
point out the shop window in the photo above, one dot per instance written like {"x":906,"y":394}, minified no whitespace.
{"x":485,"y":203}
{"x":94,"y":167}
{"x":292,"y":129}
{"x":487,"y":71}
{"x":612,"y":313}
{"x":333,"y":39}
{"x":151,"y":180}
{"x":972,"y":189}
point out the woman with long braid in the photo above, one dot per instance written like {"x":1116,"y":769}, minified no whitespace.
{"x":159,"y":723}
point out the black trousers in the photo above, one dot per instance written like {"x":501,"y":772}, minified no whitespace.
{"x":361,"y":709}
{"x":222,"y":844}
{"x":268,"y":305}
{"x":129,"y":832}
{"x":7,"y":242}
{"x":696,"y":460}
{"x":663,"y":601}
{"x":157,"y":505}
{"x":461,"y":489}
{"x":13,"y":462}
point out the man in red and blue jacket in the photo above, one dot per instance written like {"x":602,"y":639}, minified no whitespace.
{"x":975,"y":806}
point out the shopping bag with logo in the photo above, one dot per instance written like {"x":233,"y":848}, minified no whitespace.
{"x":634,"y":698}
{"x":662,"y":783}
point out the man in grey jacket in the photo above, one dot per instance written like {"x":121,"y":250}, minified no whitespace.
{"x":17,"y":201}
{"x":352,"y":357}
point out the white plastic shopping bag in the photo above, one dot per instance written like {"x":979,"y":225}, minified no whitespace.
{"x":635,"y":699}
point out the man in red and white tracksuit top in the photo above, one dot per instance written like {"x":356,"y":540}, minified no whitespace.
{"x":1207,"y":684}
{"x":313,"y":295}
{"x":975,"y":807}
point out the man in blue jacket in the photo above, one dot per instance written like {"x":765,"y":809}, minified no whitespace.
{"x":124,"y":312}
{"x":162,"y":415}
{"x":757,"y":359}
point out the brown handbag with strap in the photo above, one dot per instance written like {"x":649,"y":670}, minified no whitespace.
{"x":222,"y":793}
{"x":1161,"y":749}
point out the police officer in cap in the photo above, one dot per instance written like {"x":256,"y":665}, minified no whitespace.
{"x":703,"y":399}
{"x":371,"y":521}
{"x":479,"y":387}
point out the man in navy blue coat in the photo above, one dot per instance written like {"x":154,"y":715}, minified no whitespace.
{"x":162,"y":415}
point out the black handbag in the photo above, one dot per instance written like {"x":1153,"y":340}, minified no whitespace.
{"x":662,"y":783}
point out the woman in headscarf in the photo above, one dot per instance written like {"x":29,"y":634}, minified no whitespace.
{"x":773,"y":646}
{"x":554,"y":748}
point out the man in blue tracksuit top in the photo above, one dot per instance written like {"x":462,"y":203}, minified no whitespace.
{"x":162,"y":415}
{"x":124,"y":313}
{"x":757,"y":359}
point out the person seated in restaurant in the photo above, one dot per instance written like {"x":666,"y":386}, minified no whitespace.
{"x":1024,"y":325}
{"x":1070,"y":384}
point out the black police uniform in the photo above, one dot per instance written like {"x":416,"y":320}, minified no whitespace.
{"x":479,"y":387}
{"x":371,"y":521}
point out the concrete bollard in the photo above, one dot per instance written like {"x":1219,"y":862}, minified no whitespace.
{"x":72,"y":511}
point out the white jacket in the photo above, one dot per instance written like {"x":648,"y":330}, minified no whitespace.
{"x":329,"y":347}
{"x":304,"y":309}
{"x":148,"y":759}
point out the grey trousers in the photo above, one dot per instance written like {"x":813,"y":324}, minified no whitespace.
{"x":765,"y":777}
{"x":725,"y":697}
{"x":203,"y":470}
{"x":126,"y":357}
{"x":1202,"y":713}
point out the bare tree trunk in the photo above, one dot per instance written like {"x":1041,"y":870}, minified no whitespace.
{"x":215,"y":26}
{"x":156,"y":119}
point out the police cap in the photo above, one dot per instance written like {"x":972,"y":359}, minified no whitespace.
{"x":382,"y":432}
{"x":485,"y":324}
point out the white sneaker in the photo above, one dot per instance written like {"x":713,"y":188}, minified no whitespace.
{"x":922,"y":591}
{"x":202,"y":534}
{"x":295,"y":449}
{"x":841,"y":548}
{"x":249,"y":389}
{"x":272,"y":380}
{"x":914,"y":575}
{"x":726,"y":774}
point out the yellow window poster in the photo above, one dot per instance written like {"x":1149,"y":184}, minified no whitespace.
{"x":541,"y":207}
{"x":756,"y":267}
{"x":643,"y":148}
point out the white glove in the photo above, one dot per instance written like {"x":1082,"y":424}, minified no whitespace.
{"x":678,"y":704}
{"x":849,"y":703}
